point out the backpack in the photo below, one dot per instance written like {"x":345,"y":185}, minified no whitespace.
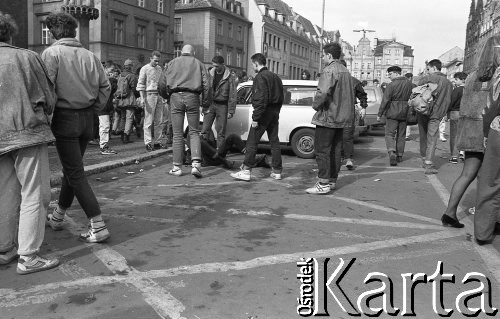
{"x":422,"y":98}
{"x":123,"y":88}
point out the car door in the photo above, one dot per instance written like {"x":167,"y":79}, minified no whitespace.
{"x":374,"y":98}
{"x":242,"y":119}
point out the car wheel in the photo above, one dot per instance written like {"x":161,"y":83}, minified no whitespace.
{"x":303,"y":143}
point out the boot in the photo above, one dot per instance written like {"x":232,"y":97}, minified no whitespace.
{"x":126,"y":138}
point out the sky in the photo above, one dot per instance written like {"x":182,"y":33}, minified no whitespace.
{"x":431,"y":27}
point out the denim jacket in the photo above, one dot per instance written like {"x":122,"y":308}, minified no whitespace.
{"x":27,"y":98}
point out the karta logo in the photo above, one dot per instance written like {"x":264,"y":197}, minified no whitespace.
{"x":318,"y":286}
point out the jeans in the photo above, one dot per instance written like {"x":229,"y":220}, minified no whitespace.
{"x":73,"y":129}
{"x":153,"y":119}
{"x":454,"y":115}
{"x":442,"y":128}
{"x":268,"y":123}
{"x":395,"y":133}
{"x":167,"y":122}
{"x":327,"y":145}
{"x":348,"y":141}
{"x":488,"y":190}
{"x":428,"y":130}
{"x":124,"y":120}
{"x":24,"y":198}
{"x":185,"y":103}
{"x":218,"y":113}
{"x":103,"y":130}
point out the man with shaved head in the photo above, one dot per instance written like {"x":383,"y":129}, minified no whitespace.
{"x":186,"y":80}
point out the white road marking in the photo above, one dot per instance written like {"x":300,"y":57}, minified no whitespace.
{"x":24,"y":296}
{"x":354,"y":173}
{"x":369,"y":222}
{"x":387,"y":209}
{"x":488,"y":253}
{"x":148,"y":219}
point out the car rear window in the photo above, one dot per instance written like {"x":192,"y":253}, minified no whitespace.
{"x":299,"y":95}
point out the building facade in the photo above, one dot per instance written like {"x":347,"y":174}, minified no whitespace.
{"x":19,"y":11}
{"x":484,"y":21}
{"x":362,"y":64}
{"x":125,"y":29}
{"x":388,"y":53}
{"x":452,"y":61}
{"x":217,"y":27}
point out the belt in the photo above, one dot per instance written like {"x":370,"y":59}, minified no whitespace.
{"x":151,"y":92}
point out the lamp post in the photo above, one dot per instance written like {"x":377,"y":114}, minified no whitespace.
{"x":321,"y":35}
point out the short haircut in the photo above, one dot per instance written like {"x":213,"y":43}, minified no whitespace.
{"x":435,"y":63}
{"x":8,"y":27}
{"x":156,"y":53}
{"x":259,"y":58}
{"x":334,"y":49}
{"x":61,"y":25}
{"x":218,"y":59}
{"x":344,"y":63}
{"x":460,"y":75}
{"x":409,"y":75}
{"x":394,"y":68}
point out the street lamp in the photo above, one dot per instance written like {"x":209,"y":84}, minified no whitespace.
{"x":321,"y":35}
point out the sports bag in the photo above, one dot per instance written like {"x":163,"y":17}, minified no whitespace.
{"x":422,"y":98}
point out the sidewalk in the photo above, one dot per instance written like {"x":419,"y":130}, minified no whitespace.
{"x":95,"y":162}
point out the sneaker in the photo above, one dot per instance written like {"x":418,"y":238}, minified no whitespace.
{"x":54,"y":222}
{"x":195,"y":170}
{"x":453,"y":160}
{"x":430,"y":169}
{"x":94,"y":142}
{"x":408,"y":138}
{"x":243,"y":175}
{"x":35,"y":263}
{"x":8,"y":256}
{"x":276,"y":176}
{"x":399,"y":159}
{"x":176,"y":171}
{"x":95,"y":235}
{"x":105,"y":150}
{"x":462,"y":156}
{"x":393,"y":161}
{"x":149,"y":147}
{"x":443,"y":139}
{"x":319,"y":189}
{"x":349,"y":164}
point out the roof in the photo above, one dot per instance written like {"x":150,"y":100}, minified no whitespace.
{"x":379,"y":49}
{"x":205,"y":4}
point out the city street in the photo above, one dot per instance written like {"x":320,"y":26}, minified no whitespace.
{"x":219,"y":248}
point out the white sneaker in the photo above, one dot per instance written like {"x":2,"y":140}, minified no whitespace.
{"x":319,"y":189}
{"x":176,"y":171}
{"x":349,"y":164}
{"x":35,"y":263}
{"x":95,"y":235}
{"x":8,"y":256}
{"x":276,"y":176}
{"x":54,"y":222}
{"x":243,"y":175}
{"x":196,"y":170}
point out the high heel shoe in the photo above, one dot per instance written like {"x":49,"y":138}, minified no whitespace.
{"x":451,"y":222}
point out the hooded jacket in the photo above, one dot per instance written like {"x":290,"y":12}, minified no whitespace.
{"x":78,"y":75}
{"x":442,"y":95}
{"x":395,"y":100}
{"x":225,"y":90}
{"x":334,"y":100}
{"x":27,"y":96}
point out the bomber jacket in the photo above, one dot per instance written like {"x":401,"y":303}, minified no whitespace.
{"x":267,"y":94}
{"x":77,"y":74}
{"x":334,"y":100}
{"x":225,"y":91}
{"x":359,"y":93}
{"x":442,"y":93}
{"x":395,"y":100}
{"x":27,"y":96}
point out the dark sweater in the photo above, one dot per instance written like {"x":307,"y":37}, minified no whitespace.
{"x":456,"y":97}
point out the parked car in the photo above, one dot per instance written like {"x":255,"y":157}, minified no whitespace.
{"x":295,"y":128}
{"x":374,"y":98}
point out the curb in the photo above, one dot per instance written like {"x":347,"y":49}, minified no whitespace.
{"x":55,"y":180}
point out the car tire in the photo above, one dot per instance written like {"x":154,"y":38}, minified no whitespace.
{"x":303,"y":143}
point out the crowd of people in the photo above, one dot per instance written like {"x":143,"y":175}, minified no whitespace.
{"x":56,"y":97}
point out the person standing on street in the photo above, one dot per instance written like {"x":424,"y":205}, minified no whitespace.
{"x":223,"y":101}
{"x":267,"y":100}
{"x":104,"y":114}
{"x":82,"y":89}
{"x":394,"y":106}
{"x":334,"y":103}
{"x":28,"y":98}
{"x":125,"y":100}
{"x":147,"y":85}
{"x":428,"y":125}
{"x":186,"y":80}
{"x":409,"y":76}
{"x":454,"y":113}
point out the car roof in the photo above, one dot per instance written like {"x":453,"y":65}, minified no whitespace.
{"x":288,"y":83}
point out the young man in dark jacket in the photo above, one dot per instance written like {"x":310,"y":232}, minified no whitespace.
{"x":334,"y":105}
{"x":223,"y":101}
{"x":454,"y":113}
{"x":104,"y":114}
{"x":267,"y":100}
{"x":394,"y":106}
{"x":428,"y":125}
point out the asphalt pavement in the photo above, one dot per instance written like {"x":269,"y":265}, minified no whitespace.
{"x":214,"y":247}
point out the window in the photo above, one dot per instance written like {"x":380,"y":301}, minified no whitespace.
{"x":238,"y":59}
{"x":177,"y":50}
{"x":299,"y":96}
{"x":355,"y":65}
{"x":379,"y":60}
{"x":265,"y":37}
{"x":45,"y":34}
{"x":274,"y":41}
{"x":118,"y":31}
{"x":159,"y":6}
{"x":397,"y":62}
{"x":379,"y":73}
{"x":141,"y":36}
{"x":406,"y":62}
{"x":160,"y":40}
{"x":270,"y":39}
{"x":229,"y":54}
{"x":369,"y":65}
{"x":284,"y":46}
{"x":239,"y":33}
{"x":219,"y":27}
{"x":388,"y":51}
{"x":177,"y":26}
{"x":230,"y":30}
{"x":218,"y":51}
{"x":362,"y":66}
{"x":140,"y":3}
{"x":284,"y":68}
{"x":244,"y":95}
{"x":279,"y":42}
{"x":388,"y":61}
